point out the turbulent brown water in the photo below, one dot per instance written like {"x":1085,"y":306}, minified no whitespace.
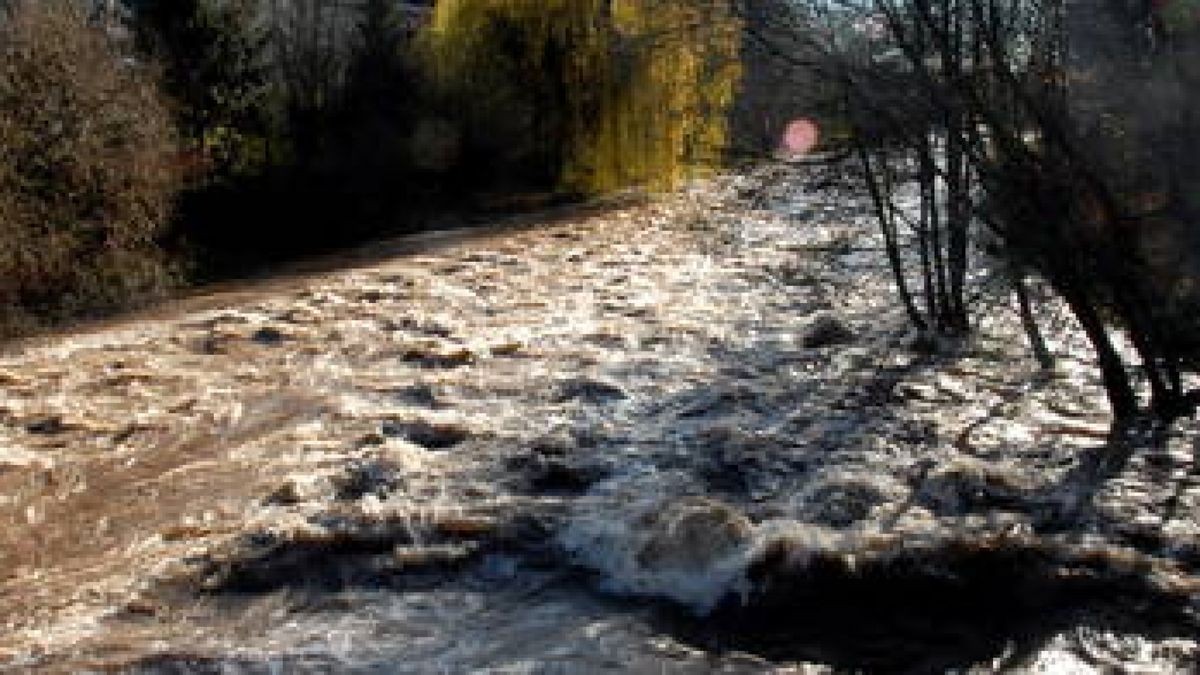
{"x":689,"y":436}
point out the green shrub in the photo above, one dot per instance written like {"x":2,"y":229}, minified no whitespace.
{"x":214,"y":67}
{"x":87,"y":167}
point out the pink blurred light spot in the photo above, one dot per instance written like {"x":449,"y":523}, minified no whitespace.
{"x":801,"y":137}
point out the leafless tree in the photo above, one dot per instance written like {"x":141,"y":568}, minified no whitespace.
{"x":1014,"y":120}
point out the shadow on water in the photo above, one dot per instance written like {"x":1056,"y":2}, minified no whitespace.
{"x":345,"y":549}
{"x":191,"y":664}
{"x":813,"y":421}
{"x":884,"y":606}
{"x":897,"y":606}
{"x":956,"y":605}
{"x":327,"y":566}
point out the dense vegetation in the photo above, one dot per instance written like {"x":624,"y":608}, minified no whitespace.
{"x":87,"y":168}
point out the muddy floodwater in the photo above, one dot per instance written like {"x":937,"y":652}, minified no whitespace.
{"x":686,"y":436}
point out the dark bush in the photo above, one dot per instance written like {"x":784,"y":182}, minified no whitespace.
{"x":215,"y":69}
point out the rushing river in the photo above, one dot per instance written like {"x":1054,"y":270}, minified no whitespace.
{"x":688,"y":436}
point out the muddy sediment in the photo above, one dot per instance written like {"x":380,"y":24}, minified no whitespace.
{"x":684,"y":436}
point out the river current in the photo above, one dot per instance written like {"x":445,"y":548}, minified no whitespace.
{"x":685,"y":436}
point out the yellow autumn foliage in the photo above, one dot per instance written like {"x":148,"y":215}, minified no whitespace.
{"x":631,"y":92}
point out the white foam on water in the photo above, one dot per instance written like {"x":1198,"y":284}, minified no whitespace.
{"x":728,"y":439}
{"x":646,"y":541}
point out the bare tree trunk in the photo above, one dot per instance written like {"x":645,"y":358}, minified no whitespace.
{"x":1029,"y":322}
{"x":1121,"y":396}
{"x":879,"y":185}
